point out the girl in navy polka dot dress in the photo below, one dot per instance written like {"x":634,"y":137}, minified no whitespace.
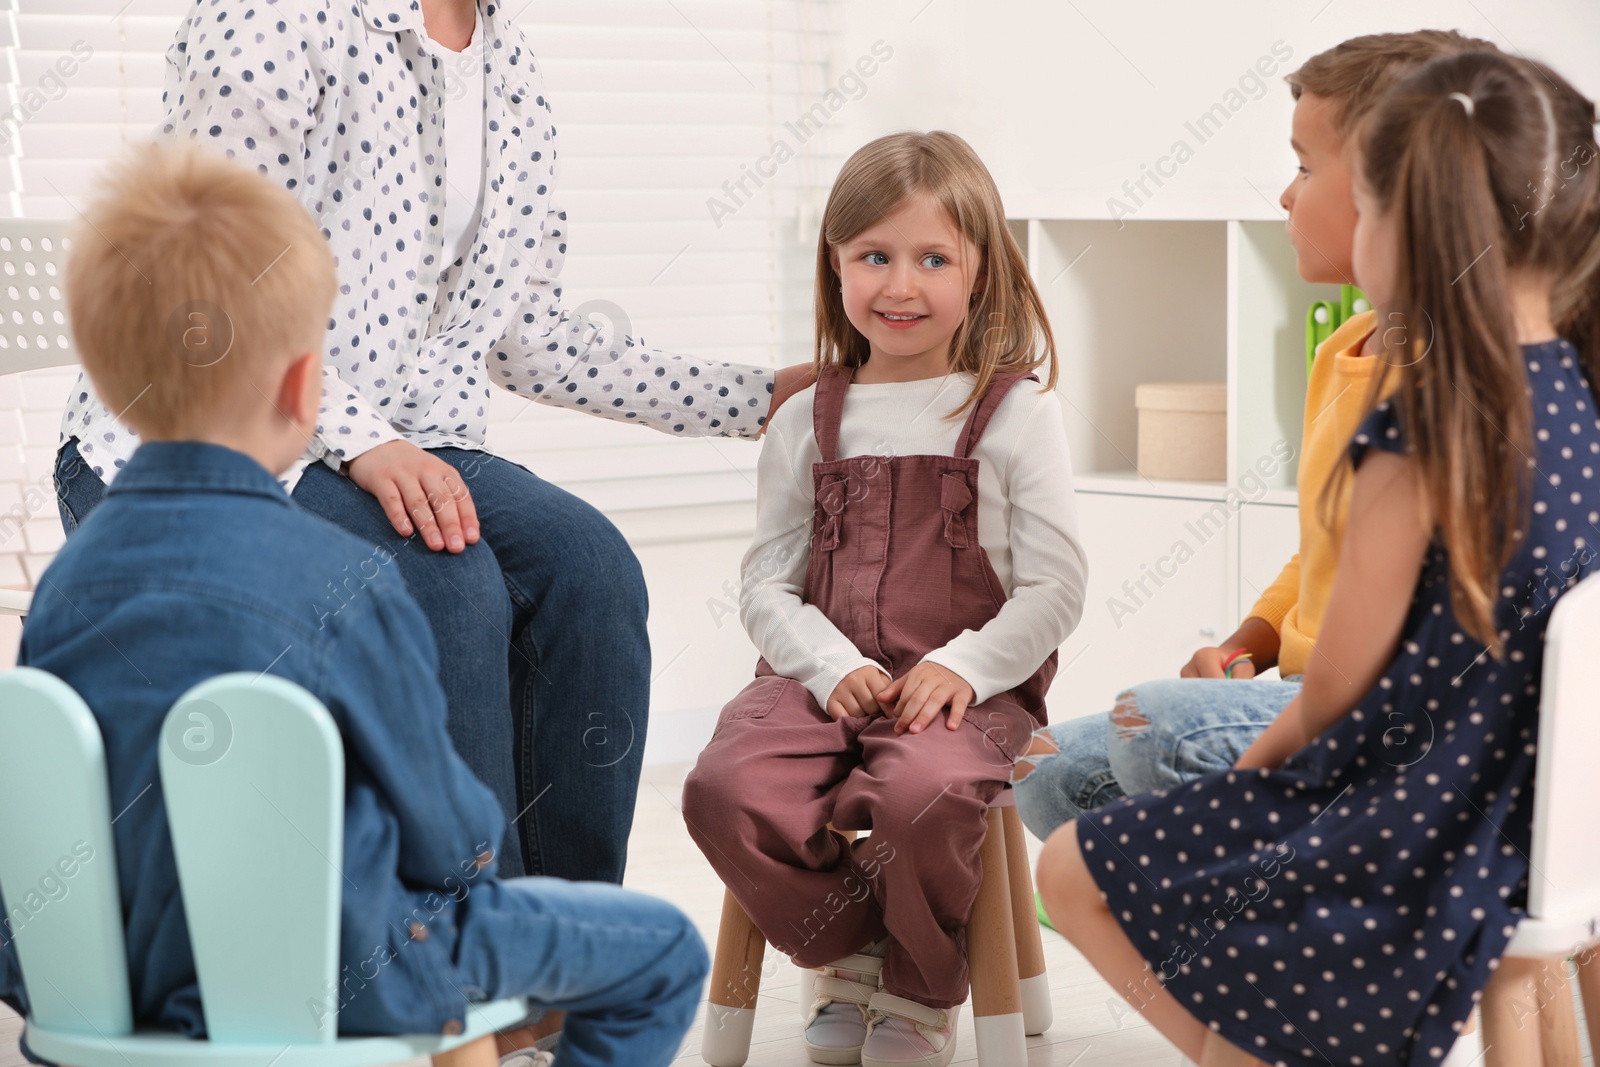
{"x":1343,"y":895}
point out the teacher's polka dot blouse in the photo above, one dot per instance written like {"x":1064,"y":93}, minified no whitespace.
{"x":343,"y":102}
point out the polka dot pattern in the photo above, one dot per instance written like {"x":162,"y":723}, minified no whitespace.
{"x":1350,"y":906}
{"x":344,"y":102}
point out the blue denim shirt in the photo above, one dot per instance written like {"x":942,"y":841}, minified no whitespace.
{"x":195,"y":564}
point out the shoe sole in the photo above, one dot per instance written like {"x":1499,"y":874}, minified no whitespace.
{"x":937,"y":1059}
{"x":835,"y":1057}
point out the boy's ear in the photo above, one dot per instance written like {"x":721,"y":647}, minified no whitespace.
{"x":300,"y":391}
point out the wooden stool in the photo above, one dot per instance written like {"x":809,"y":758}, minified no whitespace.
{"x":1010,"y":991}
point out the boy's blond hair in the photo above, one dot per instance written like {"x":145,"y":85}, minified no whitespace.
{"x":1355,"y":74}
{"x":191,"y":283}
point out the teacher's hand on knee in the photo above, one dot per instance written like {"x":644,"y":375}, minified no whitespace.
{"x":420,"y":493}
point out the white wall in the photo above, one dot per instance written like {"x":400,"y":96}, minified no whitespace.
{"x":1067,"y":100}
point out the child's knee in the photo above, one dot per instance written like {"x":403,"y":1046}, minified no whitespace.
{"x":685,"y":954}
{"x":1128,"y":718}
{"x":696,"y":960}
{"x":1065,"y":885}
{"x":712,"y":791}
{"x":1041,"y":746}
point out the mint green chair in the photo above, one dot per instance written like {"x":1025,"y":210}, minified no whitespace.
{"x":252,"y":769}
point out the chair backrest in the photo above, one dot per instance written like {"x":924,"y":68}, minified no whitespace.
{"x":1565,"y":880}
{"x":58,"y":865}
{"x":33,"y":305}
{"x":253,"y":771}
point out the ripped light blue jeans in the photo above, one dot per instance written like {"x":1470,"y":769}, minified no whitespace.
{"x":1161,"y":734}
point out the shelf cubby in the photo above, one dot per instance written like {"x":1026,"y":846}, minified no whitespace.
{"x":1172,"y":564}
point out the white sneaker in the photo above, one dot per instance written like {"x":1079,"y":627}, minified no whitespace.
{"x":837,"y":1023}
{"x":902,"y":1032}
{"x":542,"y":1054}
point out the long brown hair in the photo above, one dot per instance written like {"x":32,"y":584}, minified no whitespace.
{"x":1005,"y":328}
{"x":1468,"y":157}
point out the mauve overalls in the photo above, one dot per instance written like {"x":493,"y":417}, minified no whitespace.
{"x":896,"y":565}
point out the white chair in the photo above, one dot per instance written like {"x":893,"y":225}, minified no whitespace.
{"x":1527,"y":1008}
{"x":33,"y":320}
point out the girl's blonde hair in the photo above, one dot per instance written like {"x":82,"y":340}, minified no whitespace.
{"x":1005,"y":329}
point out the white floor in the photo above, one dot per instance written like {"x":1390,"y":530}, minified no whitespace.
{"x":1092,"y":1026}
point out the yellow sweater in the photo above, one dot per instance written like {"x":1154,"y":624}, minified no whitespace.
{"x":1336,"y":400}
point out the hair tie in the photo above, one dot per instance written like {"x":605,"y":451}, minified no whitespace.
{"x":1466,"y":102}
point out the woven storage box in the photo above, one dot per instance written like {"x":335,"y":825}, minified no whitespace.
{"x":1183,"y":430}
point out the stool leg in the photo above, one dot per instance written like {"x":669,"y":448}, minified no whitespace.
{"x":1035,"y":984}
{"x":1558,"y":1023}
{"x":1589,"y":986}
{"x":1510,"y":1035}
{"x":479,"y":1053}
{"x":735,"y":985}
{"x":992,"y":959}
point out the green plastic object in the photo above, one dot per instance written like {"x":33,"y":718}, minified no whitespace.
{"x":1323,"y":317}
{"x":1044,"y":920}
{"x":252,"y":771}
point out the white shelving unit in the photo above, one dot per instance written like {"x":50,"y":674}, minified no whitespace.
{"x":1072,"y":106}
{"x":1172,"y":565}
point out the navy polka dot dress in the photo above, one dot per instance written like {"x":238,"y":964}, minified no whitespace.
{"x":1347,"y":907}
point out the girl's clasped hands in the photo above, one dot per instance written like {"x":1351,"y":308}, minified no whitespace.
{"x":914,"y":699}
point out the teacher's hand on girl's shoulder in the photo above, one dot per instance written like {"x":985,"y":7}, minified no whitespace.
{"x":787,"y":381}
{"x":420,"y":493}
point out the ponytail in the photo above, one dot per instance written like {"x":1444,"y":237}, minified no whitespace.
{"x":1451,"y":156}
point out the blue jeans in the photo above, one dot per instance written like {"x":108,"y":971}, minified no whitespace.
{"x":627,"y":969}
{"x":1160,"y":735}
{"x":546,"y":611}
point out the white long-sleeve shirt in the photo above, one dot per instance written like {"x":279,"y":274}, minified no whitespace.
{"x":1027,"y":523}
{"x":344,"y":103}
